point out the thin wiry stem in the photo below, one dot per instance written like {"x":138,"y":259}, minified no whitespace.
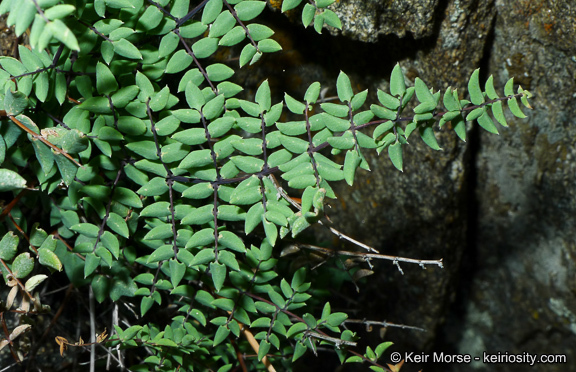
{"x":311,"y":146}
{"x":108,"y":206}
{"x":265,"y":158}
{"x":92,"y":329}
{"x":43,"y":140}
{"x":191,"y":53}
{"x":334,"y":340}
{"x":215,"y":184}
{"x":43,"y":69}
{"x":235,"y":15}
{"x":169,"y":180}
{"x":353,"y":128}
{"x":108,"y":350}
{"x":93,"y":29}
{"x":191,"y":13}
{"x":395,"y":259}
{"x":370,"y":323}
{"x":167,"y":13}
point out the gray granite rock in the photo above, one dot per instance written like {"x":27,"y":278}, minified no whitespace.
{"x":422,"y":212}
{"x":367,"y":20}
{"x":522,"y":297}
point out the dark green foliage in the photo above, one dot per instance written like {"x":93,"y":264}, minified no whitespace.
{"x":156,"y":193}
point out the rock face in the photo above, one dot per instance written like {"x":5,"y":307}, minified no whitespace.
{"x":367,"y":20}
{"x":422,"y":212}
{"x":522,"y":295}
{"x":500,"y":209}
{"x":7,"y":38}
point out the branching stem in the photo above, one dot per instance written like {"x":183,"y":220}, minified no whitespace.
{"x":395,"y":259}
